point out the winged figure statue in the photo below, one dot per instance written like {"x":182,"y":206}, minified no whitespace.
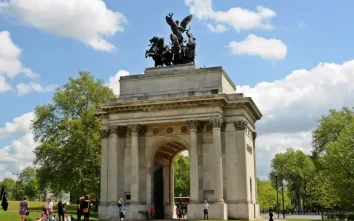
{"x":178,"y":28}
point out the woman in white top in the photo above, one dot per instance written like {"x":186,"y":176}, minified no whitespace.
{"x":206,"y":209}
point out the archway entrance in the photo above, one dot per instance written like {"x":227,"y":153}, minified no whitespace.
{"x":163,"y":180}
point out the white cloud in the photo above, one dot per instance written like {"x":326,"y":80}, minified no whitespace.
{"x":272,"y":49}
{"x":89,"y":21}
{"x":4,"y":86}
{"x":19,"y":154}
{"x":16,"y":156}
{"x":10,"y":53}
{"x":292,"y":105}
{"x":216,"y":28}
{"x":113,"y":82}
{"x":23,"y":88}
{"x":238,"y":18}
{"x":18,"y":127}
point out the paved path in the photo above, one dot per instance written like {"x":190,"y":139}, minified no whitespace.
{"x":293,"y":216}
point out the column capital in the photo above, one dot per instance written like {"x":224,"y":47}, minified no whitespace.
{"x":254,"y":135}
{"x":217,"y":122}
{"x":240,"y":125}
{"x":193,"y":124}
{"x":104,"y":134}
{"x":121,"y":131}
{"x":134,"y":128}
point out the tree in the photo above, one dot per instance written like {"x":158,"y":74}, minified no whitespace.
{"x":31,"y":188}
{"x":181,"y":175}
{"x":340,"y":164}
{"x":296,"y":169}
{"x":329,"y":129}
{"x":267,"y":196}
{"x":10,"y":188}
{"x":69,"y":134}
{"x":27,"y":174}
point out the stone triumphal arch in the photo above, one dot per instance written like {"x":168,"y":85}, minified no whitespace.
{"x":165,"y":111}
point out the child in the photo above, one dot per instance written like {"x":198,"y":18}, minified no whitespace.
{"x":122,"y":211}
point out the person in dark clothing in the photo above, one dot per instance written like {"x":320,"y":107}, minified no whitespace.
{"x":61,"y":210}
{"x":271,"y":213}
{"x":86,"y":208}
{"x":79,"y":210}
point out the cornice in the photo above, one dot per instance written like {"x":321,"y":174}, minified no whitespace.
{"x":220,"y":100}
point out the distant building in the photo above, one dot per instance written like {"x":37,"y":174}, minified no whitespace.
{"x":48,"y":194}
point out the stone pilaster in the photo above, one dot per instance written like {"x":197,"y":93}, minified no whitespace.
{"x":243,"y":180}
{"x":134,"y":186}
{"x":113,"y":165}
{"x":194,"y":175}
{"x":104,"y":167}
{"x":254,"y":135}
{"x":149,"y":175}
{"x":219,"y":186}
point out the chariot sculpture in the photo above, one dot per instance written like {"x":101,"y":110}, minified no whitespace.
{"x":180,"y":51}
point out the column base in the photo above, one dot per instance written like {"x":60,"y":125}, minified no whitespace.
{"x":216,"y":212}
{"x":109,"y":212}
{"x":243,"y":211}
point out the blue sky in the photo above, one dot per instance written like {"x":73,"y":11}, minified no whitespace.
{"x":301,"y":50}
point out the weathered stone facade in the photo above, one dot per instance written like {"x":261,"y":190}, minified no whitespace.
{"x":168,"y":110}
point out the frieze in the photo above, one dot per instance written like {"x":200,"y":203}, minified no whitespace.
{"x":169,"y":130}
{"x":240,"y":125}
{"x":184,"y":129}
{"x":155,"y":131}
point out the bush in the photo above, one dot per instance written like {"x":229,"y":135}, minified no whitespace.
{"x":339,"y":216}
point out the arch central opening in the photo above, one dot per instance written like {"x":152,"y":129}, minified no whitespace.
{"x":169,"y":156}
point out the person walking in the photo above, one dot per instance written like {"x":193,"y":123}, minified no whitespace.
{"x":206,"y":210}
{"x":61,"y":210}
{"x":271,"y":213}
{"x":86,"y":208}
{"x":23,"y":208}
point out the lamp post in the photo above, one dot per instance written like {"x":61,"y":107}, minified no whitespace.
{"x":276,"y":184}
{"x":16,"y":197}
{"x":180,"y":200}
{"x":282,"y":191}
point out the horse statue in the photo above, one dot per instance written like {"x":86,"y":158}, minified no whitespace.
{"x":159,"y":52}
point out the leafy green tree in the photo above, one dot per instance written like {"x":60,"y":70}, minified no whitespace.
{"x":329,"y":128}
{"x":69,"y":134}
{"x":340,"y":164}
{"x":31,"y":189}
{"x":267,"y":196}
{"x":10,"y":188}
{"x":296,"y":169}
{"x":181,"y":175}
{"x":27,"y":174}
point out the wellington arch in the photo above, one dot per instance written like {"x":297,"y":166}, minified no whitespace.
{"x":172,"y":109}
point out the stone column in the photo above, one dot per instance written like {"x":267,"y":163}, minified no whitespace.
{"x":254,"y":135}
{"x":104,"y":167}
{"x":219,"y":187}
{"x":113,"y":166}
{"x":122,"y":132}
{"x":134,"y":186}
{"x":243,"y":180}
{"x":194,"y":177}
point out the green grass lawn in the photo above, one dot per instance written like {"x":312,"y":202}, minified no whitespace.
{"x":35,"y":207}
{"x":14,"y":216}
{"x":15,"y":205}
